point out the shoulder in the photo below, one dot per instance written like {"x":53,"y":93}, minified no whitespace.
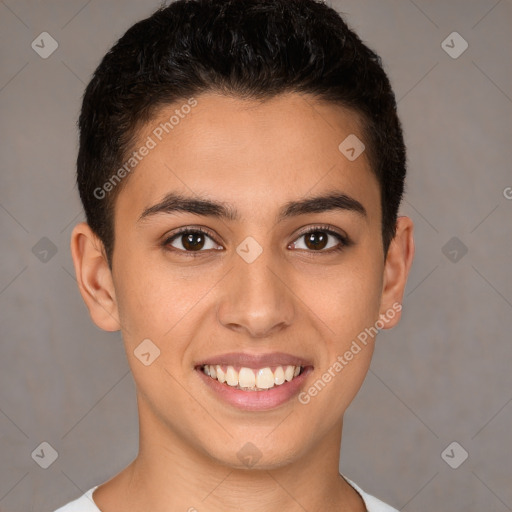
{"x":83,"y":504}
{"x":372,"y":503}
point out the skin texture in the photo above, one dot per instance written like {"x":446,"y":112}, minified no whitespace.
{"x":294,"y":299}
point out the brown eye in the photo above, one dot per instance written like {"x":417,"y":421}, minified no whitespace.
{"x":191,"y":240}
{"x":318,"y":239}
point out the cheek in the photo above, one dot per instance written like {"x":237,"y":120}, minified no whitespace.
{"x":349,"y":308}
{"x":151,"y":299}
{"x":348,"y":303}
{"x":348,"y":299}
{"x":163,"y":305}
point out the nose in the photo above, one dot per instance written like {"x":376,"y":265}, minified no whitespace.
{"x":257,"y":298}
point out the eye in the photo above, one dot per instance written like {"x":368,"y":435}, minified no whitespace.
{"x":196,"y":240}
{"x":316,"y":239}
{"x":191,"y":240}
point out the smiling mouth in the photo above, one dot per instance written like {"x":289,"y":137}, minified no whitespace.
{"x":249,"y":379}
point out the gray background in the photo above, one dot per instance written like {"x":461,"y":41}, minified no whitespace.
{"x":442,"y":375}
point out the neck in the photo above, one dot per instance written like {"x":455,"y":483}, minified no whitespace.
{"x":170,"y":474}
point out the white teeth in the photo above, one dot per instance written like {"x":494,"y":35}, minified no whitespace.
{"x":221,"y":376}
{"x":279,"y":376}
{"x":265,"y":378}
{"x":231,"y":376}
{"x":246,"y":378}
{"x":288,"y":373}
{"x":253,"y":380}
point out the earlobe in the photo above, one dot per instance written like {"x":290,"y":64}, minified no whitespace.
{"x":94,"y":277}
{"x":396,"y":271}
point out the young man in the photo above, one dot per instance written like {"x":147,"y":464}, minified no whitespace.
{"x":241,"y":165}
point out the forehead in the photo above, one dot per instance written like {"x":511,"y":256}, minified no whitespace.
{"x":256,"y":153}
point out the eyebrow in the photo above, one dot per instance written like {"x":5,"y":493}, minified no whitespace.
{"x":174,"y":202}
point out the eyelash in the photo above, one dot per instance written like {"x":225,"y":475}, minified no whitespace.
{"x":343,"y":239}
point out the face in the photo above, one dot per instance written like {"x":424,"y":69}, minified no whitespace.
{"x":259,"y":320}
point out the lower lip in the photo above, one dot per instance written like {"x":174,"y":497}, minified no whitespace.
{"x":256,"y":400}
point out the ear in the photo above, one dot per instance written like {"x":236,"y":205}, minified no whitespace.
{"x":396,"y":270}
{"x":94,"y":277}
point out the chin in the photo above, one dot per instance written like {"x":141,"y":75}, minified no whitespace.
{"x":255,"y":452}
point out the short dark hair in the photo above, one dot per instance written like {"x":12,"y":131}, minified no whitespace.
{"x":253,"y":49}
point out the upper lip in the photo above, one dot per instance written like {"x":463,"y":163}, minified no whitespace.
{"x":255,"y":360}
